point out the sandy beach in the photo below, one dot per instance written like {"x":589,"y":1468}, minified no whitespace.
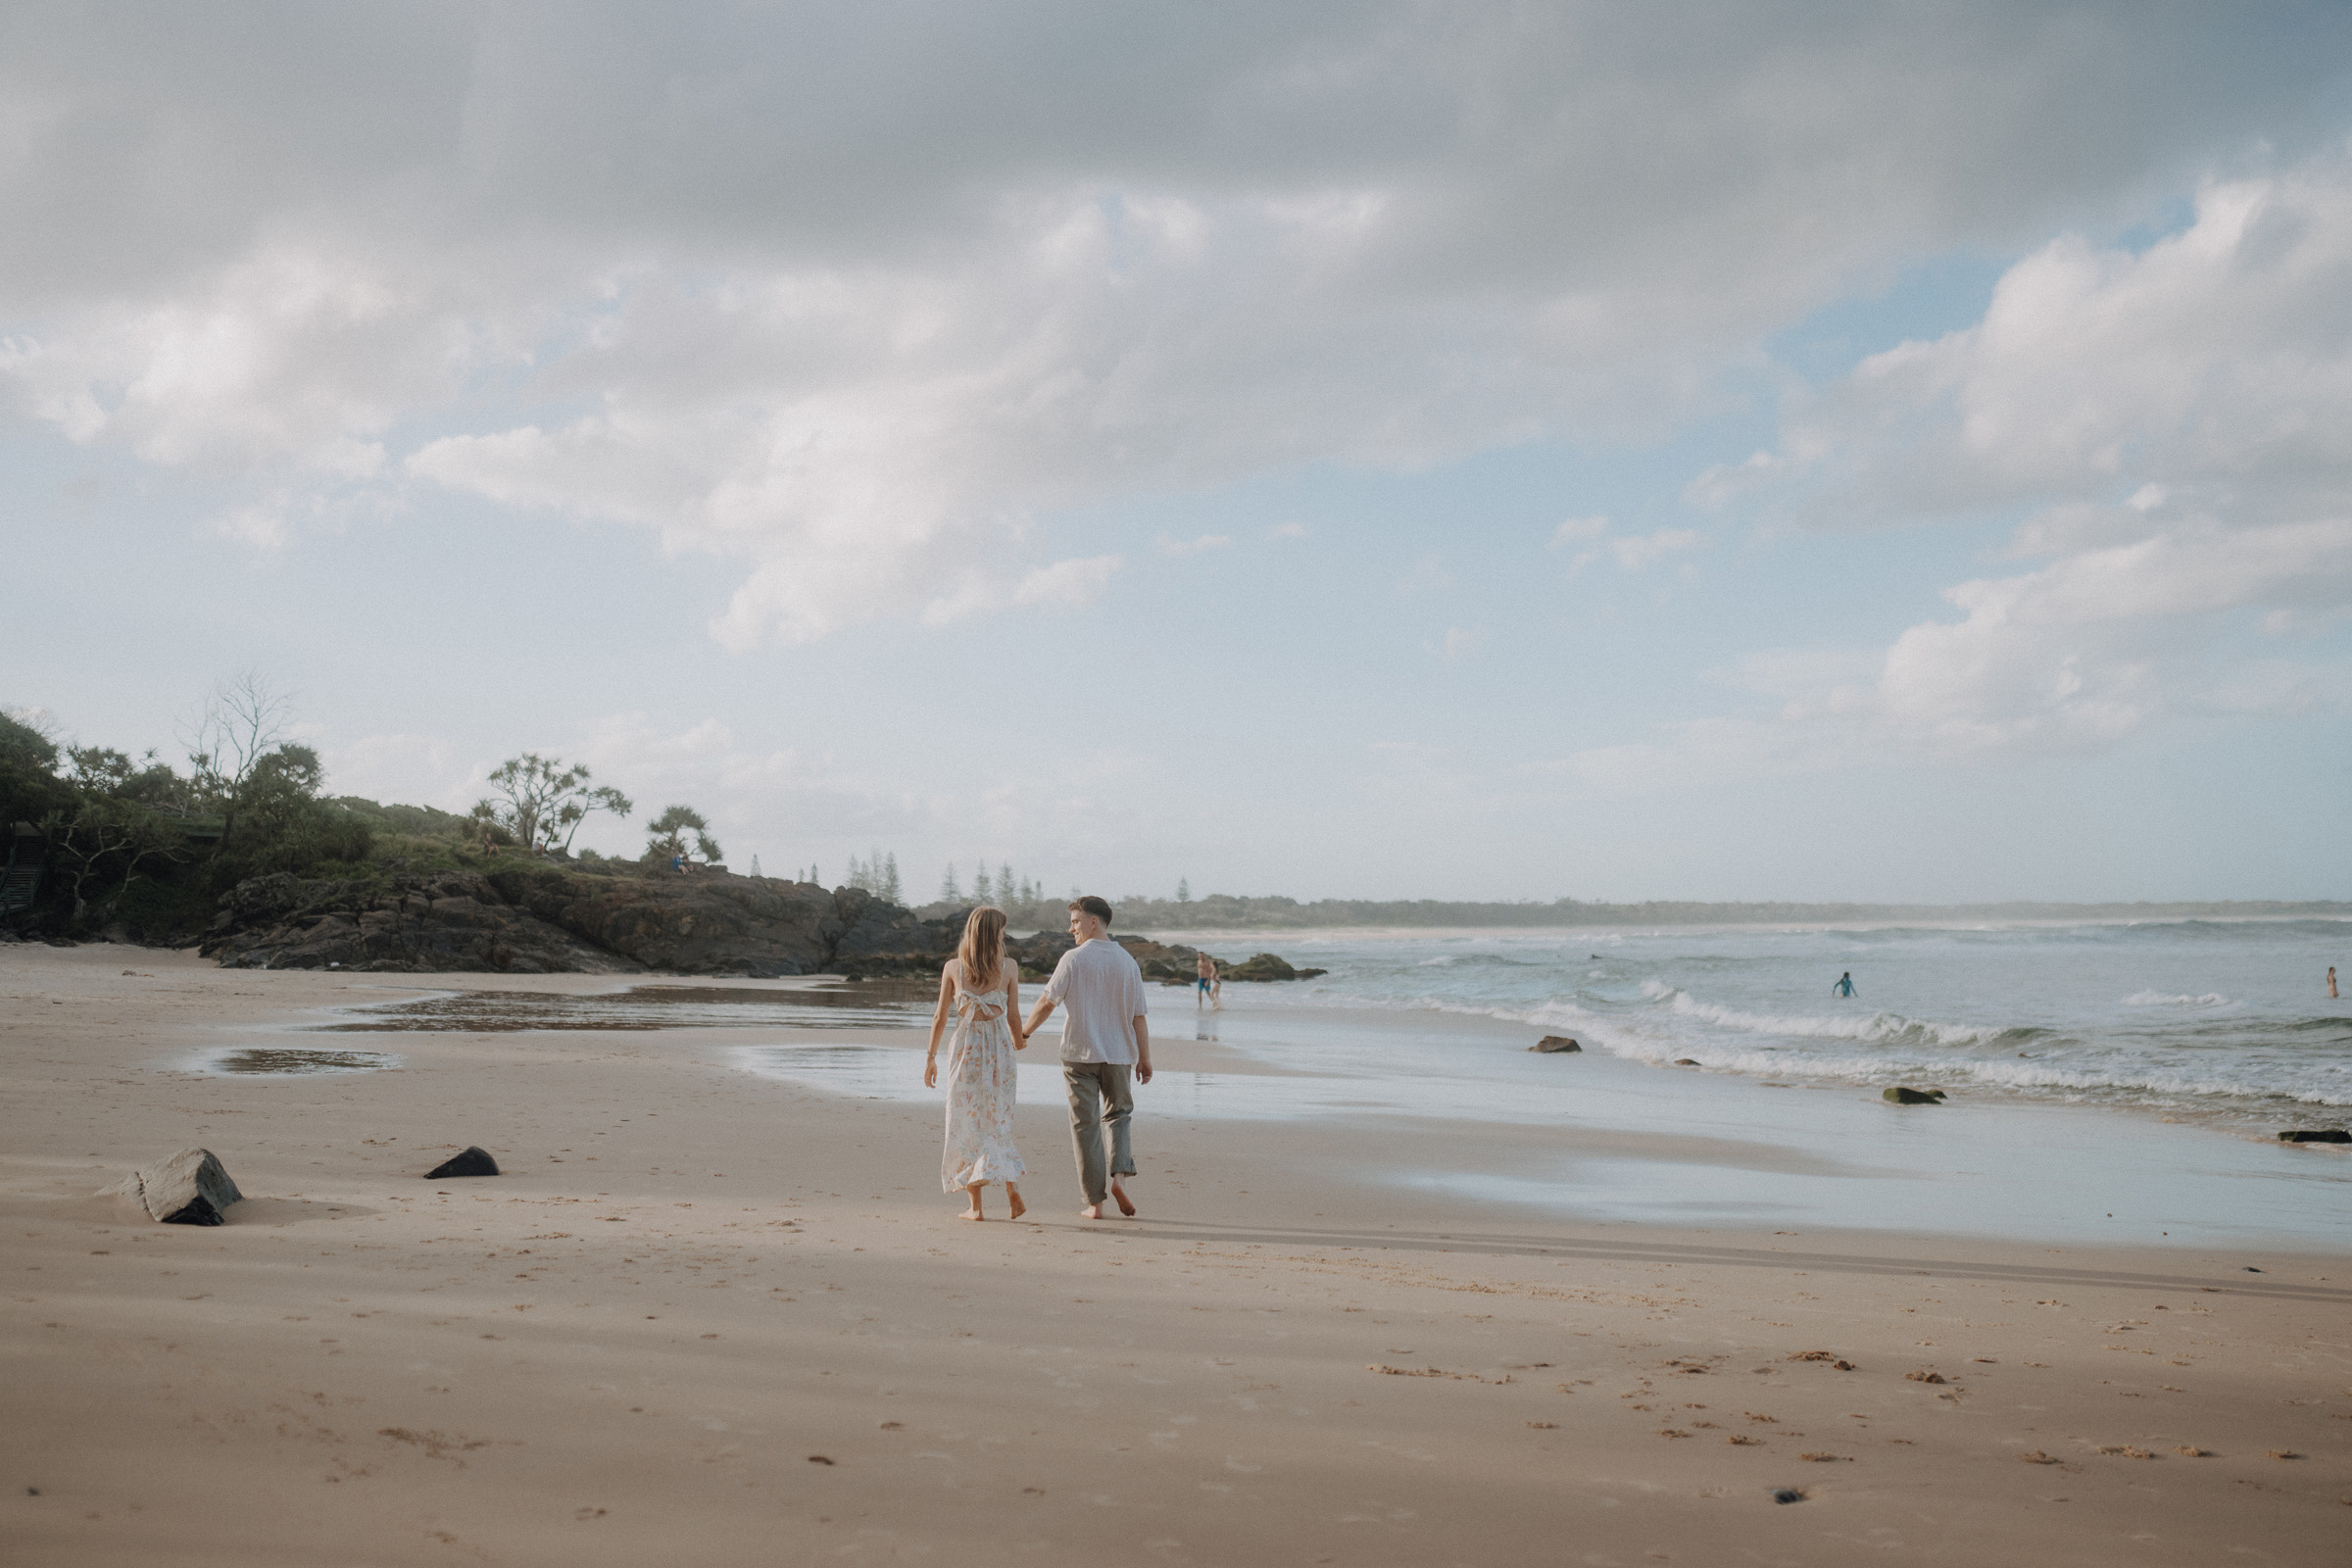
{"x":713,"y":1314}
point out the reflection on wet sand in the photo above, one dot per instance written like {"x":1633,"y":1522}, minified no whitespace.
{"x":871,"y":1005}
{"x":269,"y":1060}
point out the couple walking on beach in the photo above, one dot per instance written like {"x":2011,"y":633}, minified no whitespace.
{"x":1106,"y":1051}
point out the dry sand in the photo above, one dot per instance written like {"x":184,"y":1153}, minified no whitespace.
{"x":710,"y":1317}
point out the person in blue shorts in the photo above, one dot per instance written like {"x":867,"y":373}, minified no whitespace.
{"x":1844,"y":986}
{"x":1206,"y":986}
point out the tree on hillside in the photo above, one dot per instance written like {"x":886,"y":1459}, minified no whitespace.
{"x":669,"y":833}
{"x":889,"y":881}
{"x":542,"y":801}
{"x":949,"y":891}
{"x":242,"y":722}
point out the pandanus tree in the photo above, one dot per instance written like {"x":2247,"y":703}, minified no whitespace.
{"x":670,"y":831}
{"x":542,"y":800}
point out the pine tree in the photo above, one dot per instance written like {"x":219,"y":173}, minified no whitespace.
{"x":754,"y":865}
{"x":1184,"y":890}
{"x":949,"y":890}
{"x":984,"y":886}
{"x":890,"y":877}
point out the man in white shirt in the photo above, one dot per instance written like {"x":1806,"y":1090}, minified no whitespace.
{"x":1105,"y":1049}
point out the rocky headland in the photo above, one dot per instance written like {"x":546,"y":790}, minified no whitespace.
{"x":555,"y":919}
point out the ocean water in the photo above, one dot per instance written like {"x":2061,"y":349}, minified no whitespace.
{"x":2211,"y":1020}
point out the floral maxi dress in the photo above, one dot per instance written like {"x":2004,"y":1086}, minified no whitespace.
{"x":980,"y":1091}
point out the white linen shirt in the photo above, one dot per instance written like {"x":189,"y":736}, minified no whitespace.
{"x":1101,"y":992}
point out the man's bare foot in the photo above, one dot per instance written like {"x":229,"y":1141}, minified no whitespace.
{"x":1126,"y":1207}
{"x":1091,"y":1211}
{"x":1018,"y":1207}
{"x":971,"y":1213}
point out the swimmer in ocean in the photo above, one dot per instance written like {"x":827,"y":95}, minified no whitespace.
{"x":1844,"y":986}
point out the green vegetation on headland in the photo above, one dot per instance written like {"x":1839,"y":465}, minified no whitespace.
{"x":137,"y":850}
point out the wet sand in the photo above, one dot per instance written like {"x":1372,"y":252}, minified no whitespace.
{"x":712,"y":1315}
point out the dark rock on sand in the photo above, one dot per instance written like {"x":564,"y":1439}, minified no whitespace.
{"x":474,"y":1162}
{"x":547,"y":919}
{"x":1175,"y":964}
{"x":188,"y":1188}
{"x":1555,"y":1045}
{"x":2325,"y":1135}
{"x":455,"y":921}
{"x":1263,"y":966}
{"x":1686,"y":1062}
{"x":1913,"y":1096}
{"x":542,"y":917}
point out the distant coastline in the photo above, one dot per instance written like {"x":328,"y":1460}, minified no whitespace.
{"x":1222,"y":911}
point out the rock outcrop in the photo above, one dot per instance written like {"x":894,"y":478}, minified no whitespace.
{"x":555,"y":919}
{"x":1175,"y":964}
{"x":2323,"y":1135}
{"x":474,"y":1162}
{"x":1912,"y":1096}
{"x":1555,"y":1045}
{"x":552,"y":920}
{"x":188,"y":1188}
{"x":452,"y":921}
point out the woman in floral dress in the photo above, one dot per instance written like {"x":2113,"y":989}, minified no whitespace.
{"x":982,"y":987}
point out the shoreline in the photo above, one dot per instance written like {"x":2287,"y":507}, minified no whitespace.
{"x":709,"y":1317}
{"x":1803,"y":1137}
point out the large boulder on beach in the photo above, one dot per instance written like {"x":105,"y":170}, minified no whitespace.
{"x":2323,"y":1135}
{"x":188,"y":1188}
{"x":1900,"y":1096}
{"x":474,"y":1162}
{"x":450,"y":922}
{"x":1555,"y":1045}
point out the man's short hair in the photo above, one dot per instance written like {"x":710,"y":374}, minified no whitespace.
{"x":1093,"y":907}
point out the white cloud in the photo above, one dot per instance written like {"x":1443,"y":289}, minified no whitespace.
{"x":1576,"y":528}
{"x":2178,"y":417}
{"x":857,"y":327}
{"x":1639,"y":551}
{"x":1191,"y":547}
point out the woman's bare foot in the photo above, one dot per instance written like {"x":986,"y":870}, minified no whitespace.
{"x":1091,"y":1211}
{"x":973,"y":1212}
{"x":1126,"y":1207}
{"x":1014,"y":1194}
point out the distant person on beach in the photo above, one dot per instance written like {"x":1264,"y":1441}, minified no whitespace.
{"x":982,"y":985}
{"x":1209,"y":989}
{"x":2331,"y":982}
{"x":1105,"y":1050}
{"x":1844,"y":986}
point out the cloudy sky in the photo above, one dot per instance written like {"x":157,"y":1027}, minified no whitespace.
{"x":1823,"y":450}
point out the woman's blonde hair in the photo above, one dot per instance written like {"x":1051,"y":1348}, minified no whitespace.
{"x":983,"y":951}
